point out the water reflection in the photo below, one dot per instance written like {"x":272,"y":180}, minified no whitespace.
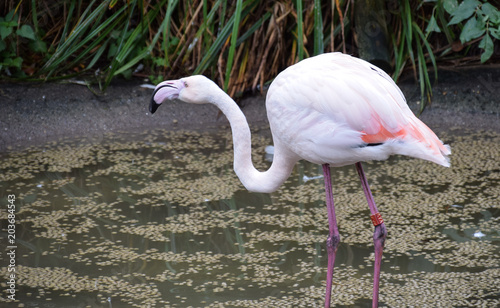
{"x":163,"y":220}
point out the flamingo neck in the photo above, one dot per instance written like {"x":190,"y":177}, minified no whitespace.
{"x":253,"y":179}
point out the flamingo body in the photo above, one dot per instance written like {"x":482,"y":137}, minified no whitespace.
{"x":332,"y":110}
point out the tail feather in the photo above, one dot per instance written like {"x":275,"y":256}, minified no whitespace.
{"x":433,"y":149}
{"x":419,"y":140}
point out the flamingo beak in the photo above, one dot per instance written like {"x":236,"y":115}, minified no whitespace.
{"x":153,"y":105}
{"x":167,"y":90}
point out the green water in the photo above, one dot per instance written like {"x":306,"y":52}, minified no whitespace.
{"x":161,"y":219}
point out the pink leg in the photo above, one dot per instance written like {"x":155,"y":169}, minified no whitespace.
{"x":333,"y":239}
{"x":379,"y":234}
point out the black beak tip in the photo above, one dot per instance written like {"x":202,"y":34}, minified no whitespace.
{"x":153,"y":106}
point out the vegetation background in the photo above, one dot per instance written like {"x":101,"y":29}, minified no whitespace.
{"x":242,"y":44}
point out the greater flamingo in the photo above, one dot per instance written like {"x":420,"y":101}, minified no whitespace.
{"x":331,"y":109}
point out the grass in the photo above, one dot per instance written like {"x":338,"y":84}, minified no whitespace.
{"x":241,"y":44}
{"x":413,"y":45}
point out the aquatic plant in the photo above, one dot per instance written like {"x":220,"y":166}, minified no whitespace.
{"x":161,"y":219}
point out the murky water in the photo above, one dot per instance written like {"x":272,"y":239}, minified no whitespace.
{"x":164,"y":221}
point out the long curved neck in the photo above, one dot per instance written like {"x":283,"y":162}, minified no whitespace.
{"x":252,"y":179}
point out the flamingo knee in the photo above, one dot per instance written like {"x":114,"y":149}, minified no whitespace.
{"x":332,"y":242}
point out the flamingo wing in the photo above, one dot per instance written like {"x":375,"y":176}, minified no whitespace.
{"x":332,"y":107}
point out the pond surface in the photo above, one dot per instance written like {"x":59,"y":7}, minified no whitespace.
{"x":161,"y":219}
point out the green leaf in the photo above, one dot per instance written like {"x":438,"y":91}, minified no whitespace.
{"x":423,"y":72}
{"x":38,"y":46}
{"x":474,"y":28}
{"x":464,"y":11}
{"x":63,"y":49}
{"x":491,"y":12}
{"x":112,"y":3}
{"x":98,"y":54}
{"x":253,"y":28}
{"x":432,"y":26}
{"x":212,"y":53}
{"x":119,"y":66}
{"x":112,"y":51}
{"x":318,"y":28}
{"x":34,"y":14}
{"x":430,"y":52}
{"x":146,"y":51}
{"x":234,"y":39}
{"x":27,"y":32}
{"x":2,"y":45}
{"x":78,"y":38}
{"x":450,"y":6}
{"x":156,"y":79}
{"x":171,"y":42}
{"x":10,"y":16}
{"x":15,"y":62}
{"x":495,"y":33}
{"x":127,"y":74}
{"x":5,"y":31}
{"x":7,"y":24}
{"x":486,"y":44}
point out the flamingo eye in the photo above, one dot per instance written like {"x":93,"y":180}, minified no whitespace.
{"x":185,"y":84}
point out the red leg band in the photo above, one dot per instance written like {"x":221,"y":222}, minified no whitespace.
{"x":377,"y":219}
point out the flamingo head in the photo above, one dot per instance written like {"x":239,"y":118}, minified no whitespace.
{"x":196,"y":89}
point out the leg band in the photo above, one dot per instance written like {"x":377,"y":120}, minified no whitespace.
{"x":377,"y":219}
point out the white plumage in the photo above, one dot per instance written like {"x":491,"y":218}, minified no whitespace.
{"x":327,"y":108}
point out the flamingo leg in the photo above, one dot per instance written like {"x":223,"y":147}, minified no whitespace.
{"x":379,"y":234}
{"x":333,"y":239}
